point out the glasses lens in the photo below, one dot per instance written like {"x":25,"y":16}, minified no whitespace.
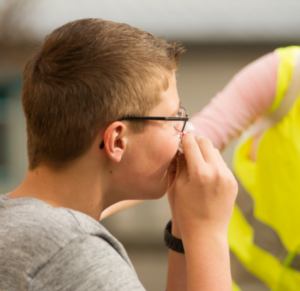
{"x":179,"y":124}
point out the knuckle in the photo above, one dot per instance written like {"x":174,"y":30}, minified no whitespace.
{"x":219,"y":174}
{"x":205,"y":177}
{"x":203,"y":141}
{"x":206,"y":142}
{"x":198,"y":138}
{"x":224,"y":177}
{"x":187,"y":143}
{"x":232,"y":183}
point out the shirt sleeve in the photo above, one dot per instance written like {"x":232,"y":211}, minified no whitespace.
{"x":247,"y":96}
{"x":87,"y":263}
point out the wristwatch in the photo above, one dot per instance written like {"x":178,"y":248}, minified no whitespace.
{"x":172,"y":242}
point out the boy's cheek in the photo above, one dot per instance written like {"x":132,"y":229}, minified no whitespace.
{"x":171,"y":144}
{"x":172,"y":150}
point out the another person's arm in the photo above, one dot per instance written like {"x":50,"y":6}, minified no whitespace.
{"x":247,"y":96}
{"x":118,"y":207}
{"x":201,"y":193}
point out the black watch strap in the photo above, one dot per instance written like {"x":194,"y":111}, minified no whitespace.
{"x":172,"y":242}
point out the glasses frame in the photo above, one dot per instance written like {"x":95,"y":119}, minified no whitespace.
{"x":185,"y":119}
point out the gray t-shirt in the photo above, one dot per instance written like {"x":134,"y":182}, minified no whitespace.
{"x":46,"y":248}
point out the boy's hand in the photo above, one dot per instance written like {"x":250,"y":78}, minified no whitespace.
{"x":203,"y":191}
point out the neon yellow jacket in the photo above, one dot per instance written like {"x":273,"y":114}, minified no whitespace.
{"x":264,"y":233}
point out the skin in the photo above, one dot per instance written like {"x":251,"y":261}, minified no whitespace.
{"x":118,"y":207}
{"x":201,"y":194}
{"x":201,"y":190}
{"x":102,"y":178}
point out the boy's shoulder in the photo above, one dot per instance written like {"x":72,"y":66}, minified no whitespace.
{"x":34,"y":235}
{"x":34,"y":219}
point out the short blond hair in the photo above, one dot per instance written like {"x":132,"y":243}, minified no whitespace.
{"x":87,"y":74}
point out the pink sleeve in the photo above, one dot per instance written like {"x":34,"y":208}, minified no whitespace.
{"x":248,"y":95}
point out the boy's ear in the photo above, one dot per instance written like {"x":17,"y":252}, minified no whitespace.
{"x":115,"y":141}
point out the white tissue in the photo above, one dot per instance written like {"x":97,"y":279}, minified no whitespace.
{"x":188,"y":127}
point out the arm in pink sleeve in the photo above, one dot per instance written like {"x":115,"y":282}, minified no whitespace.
{"x":248,"y":95}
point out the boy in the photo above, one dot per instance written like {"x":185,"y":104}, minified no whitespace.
{"x":81,"y":93}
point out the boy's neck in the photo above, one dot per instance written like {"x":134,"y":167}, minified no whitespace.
{"x":78,"y":187}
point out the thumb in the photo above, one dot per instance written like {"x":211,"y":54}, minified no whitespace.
{"x":172,"y":172}
{"x":181,"y":172}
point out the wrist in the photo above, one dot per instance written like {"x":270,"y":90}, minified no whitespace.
{"x":190,"y":229}
{"x":208,"y":237}
{"x":171,"y":241}
{"x":175,"y":231}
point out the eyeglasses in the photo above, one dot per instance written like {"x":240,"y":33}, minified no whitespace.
{"x":179,"y":121}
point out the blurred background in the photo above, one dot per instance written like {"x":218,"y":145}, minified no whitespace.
{"x":221,"y":36}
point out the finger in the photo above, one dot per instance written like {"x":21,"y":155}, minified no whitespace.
{"x":208,"y":151}
{"x":192,"y":152}
{"x":220,"y":158}
{"x":181,"y":171}
{"x":172,"y":172}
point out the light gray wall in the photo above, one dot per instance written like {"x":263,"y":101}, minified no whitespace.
{"x":210,"y":21}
